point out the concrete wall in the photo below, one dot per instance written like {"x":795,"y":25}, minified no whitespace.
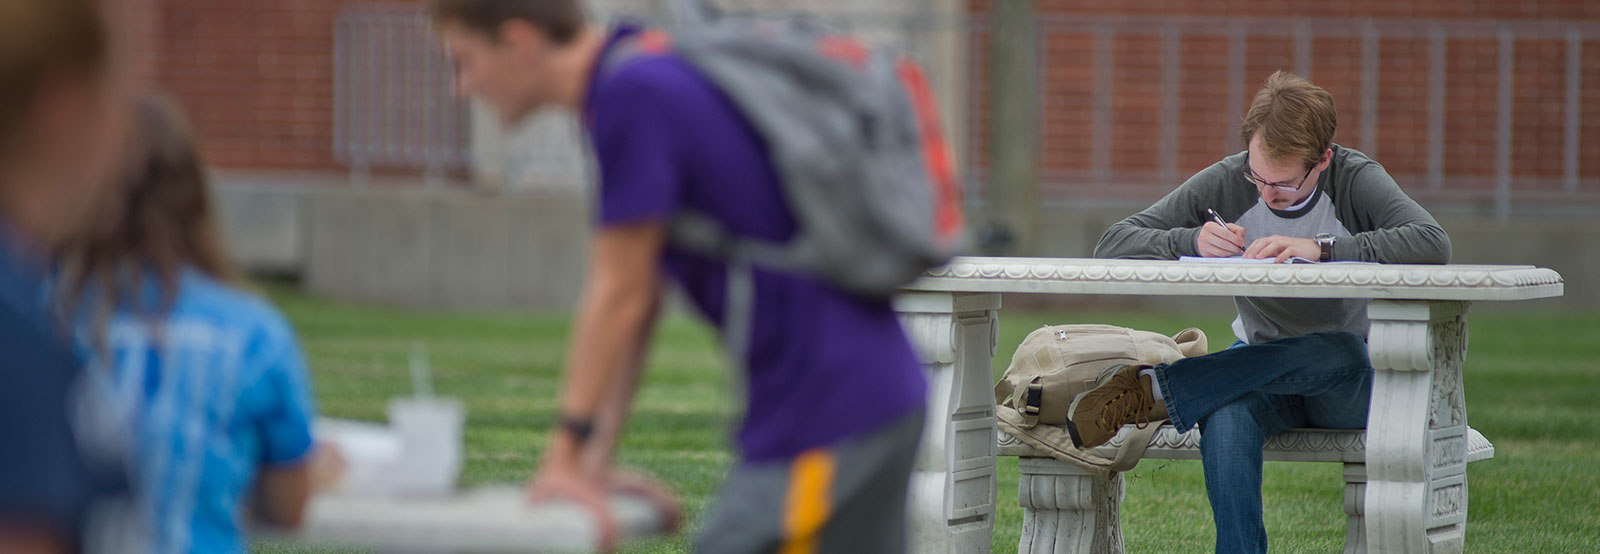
{"x":458,"y":249}
{"x":413,"y":247}
{"x":1569,"y":244}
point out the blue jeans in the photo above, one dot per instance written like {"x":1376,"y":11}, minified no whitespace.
{"x":1242,"y":395}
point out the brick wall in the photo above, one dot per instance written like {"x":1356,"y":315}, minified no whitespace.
{"x":255,"y":76}
{"x":142,"y":22}
{"x":1210,"y":102}
{"x":257,"y":79}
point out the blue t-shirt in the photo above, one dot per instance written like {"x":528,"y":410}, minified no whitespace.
{"x":823,"y":365}
{"x":213,"y":391}
{"x":52,"y":475}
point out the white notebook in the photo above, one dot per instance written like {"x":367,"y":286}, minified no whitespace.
{"x":1243,"y":260}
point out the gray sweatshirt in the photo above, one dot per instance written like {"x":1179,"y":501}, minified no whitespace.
{"x":1356,"y":201}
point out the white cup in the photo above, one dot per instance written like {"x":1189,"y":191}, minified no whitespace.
{"x":430,"y":438}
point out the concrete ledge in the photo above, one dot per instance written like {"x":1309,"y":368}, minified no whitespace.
{"x":263,"y":227}
{"x":403,"y":244}
{"x":413,"y":247}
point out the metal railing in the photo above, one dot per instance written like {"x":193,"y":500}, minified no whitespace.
{"x":1506,"y":185}
{"x":393,"y":104}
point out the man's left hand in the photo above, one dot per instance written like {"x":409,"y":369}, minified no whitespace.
{"x":558,"y":481}
{"x":649,"y":490}
{"x":1282,"y":248}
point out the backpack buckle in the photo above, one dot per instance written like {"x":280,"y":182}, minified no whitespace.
{"x":1034,"y":399}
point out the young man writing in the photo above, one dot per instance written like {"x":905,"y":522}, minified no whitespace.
{"x":835,"y":394}
{"x":1297,"y":362}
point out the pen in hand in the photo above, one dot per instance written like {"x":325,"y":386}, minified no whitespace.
{"x":1227,"y":229}
{"x":1217,"y":218}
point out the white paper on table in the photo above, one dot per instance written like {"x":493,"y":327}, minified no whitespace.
{"x":1244,"y":260}
{"x":372,"y":454}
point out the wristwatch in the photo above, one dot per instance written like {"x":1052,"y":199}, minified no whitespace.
{"x":579,"y":428}
{"x":1325,"y":242}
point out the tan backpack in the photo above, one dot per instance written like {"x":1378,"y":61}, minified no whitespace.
{"x":1056,"y":363}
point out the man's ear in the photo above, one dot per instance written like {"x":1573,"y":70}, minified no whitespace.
{"x":1327,"y":158}
{"x":520,"y":35}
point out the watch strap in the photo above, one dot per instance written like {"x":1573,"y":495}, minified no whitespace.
{"x":1325,"y":243}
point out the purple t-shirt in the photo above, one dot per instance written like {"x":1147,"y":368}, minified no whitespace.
{"x":823,"y":365}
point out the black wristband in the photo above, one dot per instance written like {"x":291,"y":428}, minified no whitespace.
{"x":579,"y":428}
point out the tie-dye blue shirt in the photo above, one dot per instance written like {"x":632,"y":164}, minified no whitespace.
{"x":214,"y":391}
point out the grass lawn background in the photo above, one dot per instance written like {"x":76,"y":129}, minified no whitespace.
{"x":1532,"y":386}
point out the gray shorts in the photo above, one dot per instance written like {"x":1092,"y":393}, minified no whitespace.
{"x":850,"y":497}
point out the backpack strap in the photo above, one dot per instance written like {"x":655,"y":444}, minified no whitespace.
{"x":1029,"y":404}
{"x":703,"y":235}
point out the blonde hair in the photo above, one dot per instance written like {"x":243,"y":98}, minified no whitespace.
{"x":1296,"y":119}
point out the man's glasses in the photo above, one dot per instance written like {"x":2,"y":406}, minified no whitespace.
{"x":1258,"y":181}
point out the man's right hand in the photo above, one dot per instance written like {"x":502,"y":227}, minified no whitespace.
{"x":1216,"y":241}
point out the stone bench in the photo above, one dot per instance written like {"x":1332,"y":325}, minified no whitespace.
{"x":1066,"y":510}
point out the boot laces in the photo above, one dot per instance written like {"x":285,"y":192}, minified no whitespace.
{"x":1131,"y":404}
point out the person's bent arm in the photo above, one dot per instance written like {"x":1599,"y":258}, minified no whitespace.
{"x":1172,"y":227}
{"x":613,"y":318}
{"x":282,"y":493}
{"x":1402,"y":232}
{"x":291,"y":461}
{"x":612,"y":416}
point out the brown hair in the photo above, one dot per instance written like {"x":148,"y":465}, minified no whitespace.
{"x":559,"y":19}
{"x":40,"y":40}
{"x":1296,"y":119}
{"x":159,"y":223}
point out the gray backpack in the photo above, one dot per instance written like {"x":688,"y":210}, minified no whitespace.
{"x":854,"y":136}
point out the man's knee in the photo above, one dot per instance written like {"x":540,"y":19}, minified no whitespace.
{"x":1342,"y":347}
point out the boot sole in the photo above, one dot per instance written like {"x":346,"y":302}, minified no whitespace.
{"x":1072,"y":431}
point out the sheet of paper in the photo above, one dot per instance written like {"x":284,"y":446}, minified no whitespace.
{"x":1233,"y":260}
{"x":1243,"y":260}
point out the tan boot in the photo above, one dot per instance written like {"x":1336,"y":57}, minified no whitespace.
{"x":1123,"y":397}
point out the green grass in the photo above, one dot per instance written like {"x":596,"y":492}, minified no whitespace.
{"x":1533,"y":387}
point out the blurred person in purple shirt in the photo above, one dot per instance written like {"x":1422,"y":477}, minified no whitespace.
{"x":63,"y":113}
{"x":835,"y":396}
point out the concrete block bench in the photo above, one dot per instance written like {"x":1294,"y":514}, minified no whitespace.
{"x":1066,"y":510}
{"x":495,"y":519}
